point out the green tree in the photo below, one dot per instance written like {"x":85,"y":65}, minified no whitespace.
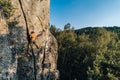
{"x":67,"y":26}
{"x":88,"y":54}
{"x":104,"y":44}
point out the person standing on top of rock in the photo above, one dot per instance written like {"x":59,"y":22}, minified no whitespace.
{"x":33,"y":37}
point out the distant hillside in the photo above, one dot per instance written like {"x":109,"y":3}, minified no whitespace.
{"x":89,"y":30}
{"x":115,"y":29}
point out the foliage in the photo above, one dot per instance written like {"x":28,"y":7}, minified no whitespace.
{"x":88,"y":53}
{"x":6,"y":8}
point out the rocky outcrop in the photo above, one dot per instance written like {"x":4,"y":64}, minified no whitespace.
{"x":17,"y":62}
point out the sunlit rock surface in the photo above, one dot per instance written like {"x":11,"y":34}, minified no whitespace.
{"x":16,"y":63}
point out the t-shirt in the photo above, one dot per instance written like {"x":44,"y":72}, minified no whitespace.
{"x":33,"y":36}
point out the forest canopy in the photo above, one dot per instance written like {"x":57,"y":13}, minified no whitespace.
{"x":91,"y":53}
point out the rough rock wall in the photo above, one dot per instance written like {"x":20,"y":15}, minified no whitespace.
{"x":16,"y":62}
{"x":8,"y":50}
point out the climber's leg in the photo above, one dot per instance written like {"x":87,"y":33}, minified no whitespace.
{"x":35,"y":44}
{"x":27,"y":48}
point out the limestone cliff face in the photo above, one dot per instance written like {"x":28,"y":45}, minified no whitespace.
{"x":17,"y":62}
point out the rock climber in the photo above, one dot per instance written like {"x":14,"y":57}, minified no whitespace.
{"x":33,"y":37}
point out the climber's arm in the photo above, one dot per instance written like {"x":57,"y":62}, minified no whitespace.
{"x":40,"y":33}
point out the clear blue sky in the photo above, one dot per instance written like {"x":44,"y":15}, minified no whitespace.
{"x":85,"y":13}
